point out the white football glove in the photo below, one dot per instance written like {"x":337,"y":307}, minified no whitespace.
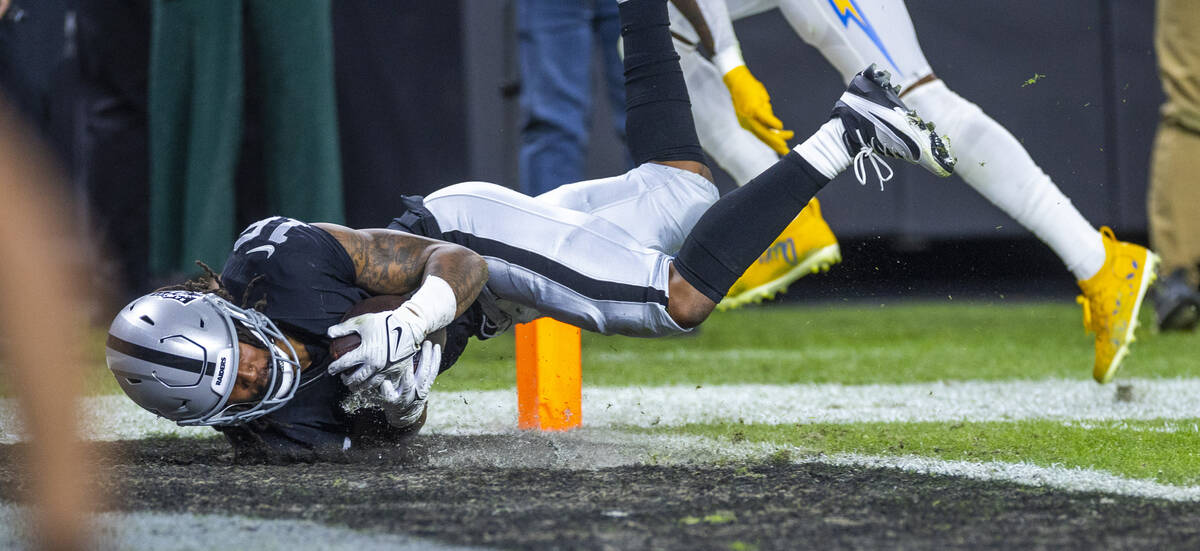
{"x":388,"y":339}
{"x":404,"y":399}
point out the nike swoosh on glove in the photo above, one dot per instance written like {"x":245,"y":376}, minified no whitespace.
{"x":388,"y":339}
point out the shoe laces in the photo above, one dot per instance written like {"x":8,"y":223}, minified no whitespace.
{"x":868,"y":152}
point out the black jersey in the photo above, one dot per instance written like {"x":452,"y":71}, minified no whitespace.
{"x":301,"y":272}
{"x":303,"y":279}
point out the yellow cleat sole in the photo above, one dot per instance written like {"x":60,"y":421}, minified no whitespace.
{"x":819,"y":260}
{"x":1106,"y":375}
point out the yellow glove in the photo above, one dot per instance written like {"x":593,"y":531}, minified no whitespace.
{"x":753,"y":107}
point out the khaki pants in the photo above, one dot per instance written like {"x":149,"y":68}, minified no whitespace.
{"x":1174,"y":196}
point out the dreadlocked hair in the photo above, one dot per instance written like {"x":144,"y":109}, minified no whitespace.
{"x":210,"y":282}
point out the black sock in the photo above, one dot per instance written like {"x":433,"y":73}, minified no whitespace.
{"x":742,"y":224}
{"x":658,"y":113}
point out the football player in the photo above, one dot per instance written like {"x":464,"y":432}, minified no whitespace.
{"x":647,"y":253}
{"x":1113,"y":275}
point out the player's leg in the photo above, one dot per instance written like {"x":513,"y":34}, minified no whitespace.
{"x":808,"y":243}
{"x":569,"y":264}
{"x":869,"y":119}
{"x":548,"y":260}
{"x":585,"y":270}
{"x":661,"y":130}
{"x":1113,"y":275}
{"x":992,"y":162}
{"x":658,"y":205}
{"x":858,"y":32}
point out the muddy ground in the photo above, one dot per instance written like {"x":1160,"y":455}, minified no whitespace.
{"x":771,"y":505}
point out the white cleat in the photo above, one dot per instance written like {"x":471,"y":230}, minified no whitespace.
{"x":878,"y":123}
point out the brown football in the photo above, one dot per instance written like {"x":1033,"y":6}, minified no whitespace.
{"x":381,"y":303}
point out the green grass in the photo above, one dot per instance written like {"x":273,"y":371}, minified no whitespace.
{"x":1133,"y":449}
{"x":894,"y":343}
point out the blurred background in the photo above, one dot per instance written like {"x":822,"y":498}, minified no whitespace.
{"x":427,"y":95}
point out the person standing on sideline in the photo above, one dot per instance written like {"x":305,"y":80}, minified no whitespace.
{"x":1174,"y":197}
{"x":555,"y":40}
{"x":224,"y":75}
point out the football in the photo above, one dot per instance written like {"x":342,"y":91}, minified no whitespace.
{"x":380,"y":303}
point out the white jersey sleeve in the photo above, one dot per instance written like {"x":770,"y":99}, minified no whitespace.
{"x":727,"y":52}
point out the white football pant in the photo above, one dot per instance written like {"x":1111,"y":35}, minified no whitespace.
{"x":594,"y":254}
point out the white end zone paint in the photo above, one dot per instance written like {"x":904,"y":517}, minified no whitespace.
{"x":969,"y":401}
{"x":114,"y":417}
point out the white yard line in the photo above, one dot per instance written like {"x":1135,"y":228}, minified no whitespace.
{"x":484,"y":412}
{"x":1075,"y":400}
{"x":1073,"y":479}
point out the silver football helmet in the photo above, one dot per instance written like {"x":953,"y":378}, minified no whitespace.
{"x":175,"y":353}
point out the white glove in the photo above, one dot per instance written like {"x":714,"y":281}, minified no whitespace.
{"x":388,"y":339}
{"x":404,"y":399}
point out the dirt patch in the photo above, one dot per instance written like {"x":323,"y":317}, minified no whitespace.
{"x":769,"y":505}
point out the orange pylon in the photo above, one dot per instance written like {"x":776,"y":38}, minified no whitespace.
{"x":549,"y":375}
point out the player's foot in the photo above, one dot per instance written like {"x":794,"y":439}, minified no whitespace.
{"x":1176,"y":304}
{"x":878,"y":123}
{"x":1112,"y":298}
{"x":806,"y":246}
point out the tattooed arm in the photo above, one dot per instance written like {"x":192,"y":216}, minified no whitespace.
{"x":447,"y":279}
{"x":389,"y":262}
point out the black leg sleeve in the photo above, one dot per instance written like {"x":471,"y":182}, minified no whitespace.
{"x":658,"y":113}
{"x":741,"y":225}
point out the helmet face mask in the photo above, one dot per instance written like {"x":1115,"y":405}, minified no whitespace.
{"x":176,"y":354}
